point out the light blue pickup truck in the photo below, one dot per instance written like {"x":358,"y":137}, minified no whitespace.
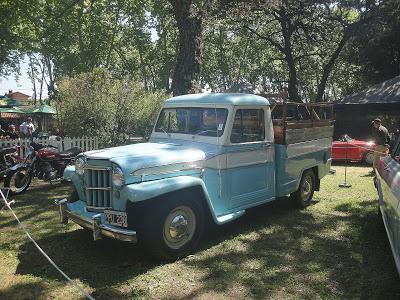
{"x":209,"y":158}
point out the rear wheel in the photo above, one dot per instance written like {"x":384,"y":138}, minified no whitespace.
{"x":305,"y":192}
{"x":369,"y":158}
{"x":18,"y":180}
{"x":174,"y":229}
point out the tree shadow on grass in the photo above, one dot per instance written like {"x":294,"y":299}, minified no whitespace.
{"x":293,"y":257}
{"x":100,"y":264}
{"x":21,"y":291}
{"x":31,"y":204}
{"x":379,"y":277}
{"x":273,"y":249}
{"x":108,"y":262}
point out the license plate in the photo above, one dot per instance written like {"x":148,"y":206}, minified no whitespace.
{"x":116,"y":218}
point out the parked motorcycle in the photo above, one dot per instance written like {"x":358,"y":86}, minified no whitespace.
{"x":41,"y":161}
{"x":8,"y":158}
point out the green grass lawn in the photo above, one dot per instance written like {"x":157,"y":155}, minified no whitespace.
{"x":334,"y":249}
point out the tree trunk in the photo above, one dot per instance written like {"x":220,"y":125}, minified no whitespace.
{"x":287,"y":32}
{"x":143,"y":68}
{"x":329,"y":66}
{"x":32,"y":75}
{"x":186,"y":77}
{"x":51,"y":84}
{"x":42,"y":70}
{"x":165,"y":71}
{"x":292,"y":84}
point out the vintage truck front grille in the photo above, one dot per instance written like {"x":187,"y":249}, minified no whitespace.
{"x":98,"y":187}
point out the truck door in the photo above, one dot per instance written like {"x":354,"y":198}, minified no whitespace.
{"x":250,"y":158}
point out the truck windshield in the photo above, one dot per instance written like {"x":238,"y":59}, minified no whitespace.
{"x":192,"y":120}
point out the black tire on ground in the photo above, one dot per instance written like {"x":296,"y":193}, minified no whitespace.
{"x":369,"y":158}
{"x":174,"y":229}
{"x":18,"y":180}
{"x":305,"y":192}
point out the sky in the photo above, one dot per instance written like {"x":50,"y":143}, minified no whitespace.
{"x":23,"y":84}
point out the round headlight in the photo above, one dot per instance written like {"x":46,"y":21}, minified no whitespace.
{"x":80,"y":165}
{"x":118,"y":177}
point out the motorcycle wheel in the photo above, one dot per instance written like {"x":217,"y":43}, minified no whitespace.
{"x":10,"y":161}
{"x":18,"y":181}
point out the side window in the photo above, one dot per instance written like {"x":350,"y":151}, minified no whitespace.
{"x":248,"y":126}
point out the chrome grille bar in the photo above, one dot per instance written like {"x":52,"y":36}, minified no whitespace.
{"x":98,"y":187}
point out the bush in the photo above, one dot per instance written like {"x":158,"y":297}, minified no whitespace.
{"x":95,"y":104}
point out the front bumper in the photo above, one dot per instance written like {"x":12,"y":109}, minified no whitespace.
{"x":95,"y":222}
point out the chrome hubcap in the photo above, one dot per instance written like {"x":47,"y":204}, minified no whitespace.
{"x":306,"y":189}
{"x":18,"y":181}
{"x":179,"y":227}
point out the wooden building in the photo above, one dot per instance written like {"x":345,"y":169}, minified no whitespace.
{"x":18,"y":96}
{"x":355,"y":113}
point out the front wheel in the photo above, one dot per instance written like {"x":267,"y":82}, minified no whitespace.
{"x":18,"y":180}
{"x":306,"y":189}
{"x":10,"y":161}
{"x":174,"y":229}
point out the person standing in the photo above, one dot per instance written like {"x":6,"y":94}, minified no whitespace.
{"x":382,"y":140}
{"x":27,"y":128}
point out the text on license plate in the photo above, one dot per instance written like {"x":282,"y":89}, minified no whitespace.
{"x":116,"y":218}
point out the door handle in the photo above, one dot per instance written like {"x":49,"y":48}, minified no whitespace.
{"x":267,"y":146}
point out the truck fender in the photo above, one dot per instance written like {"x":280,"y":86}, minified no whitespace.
{"x":69,"y":171}
{"x":315,"y":169}
{"x":139,"y":192}
{"x":70,"y":175}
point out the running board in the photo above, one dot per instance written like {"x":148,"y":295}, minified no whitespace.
{"x":229,"y":217}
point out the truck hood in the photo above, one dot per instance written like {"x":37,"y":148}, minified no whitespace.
{"x":132,"y":158}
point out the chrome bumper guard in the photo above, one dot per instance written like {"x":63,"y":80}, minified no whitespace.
{"x":95,"y":225}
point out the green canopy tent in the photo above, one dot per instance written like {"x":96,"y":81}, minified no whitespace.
{"x":5,"y":114}
{"x":8,"y":102}
{"x":43,"y":111}
{"x":15,"y":110}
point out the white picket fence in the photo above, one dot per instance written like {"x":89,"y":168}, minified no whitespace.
{"x":85,"y":143}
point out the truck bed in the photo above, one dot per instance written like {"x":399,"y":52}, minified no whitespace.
{"x":303,"y":137}
{"x":300,"y":122}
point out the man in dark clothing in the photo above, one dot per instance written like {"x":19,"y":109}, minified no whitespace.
{"x":12,"y":134}
{"x":382,"y":139}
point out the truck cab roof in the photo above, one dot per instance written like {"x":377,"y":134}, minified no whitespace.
{"x":217,"y":98}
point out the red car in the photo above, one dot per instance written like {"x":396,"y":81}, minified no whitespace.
{"x":353,"y":150}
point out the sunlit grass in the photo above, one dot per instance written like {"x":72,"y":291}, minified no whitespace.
{"x":334,"y":249}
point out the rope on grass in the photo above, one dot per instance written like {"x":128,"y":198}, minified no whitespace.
{"x":7,"y":205}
